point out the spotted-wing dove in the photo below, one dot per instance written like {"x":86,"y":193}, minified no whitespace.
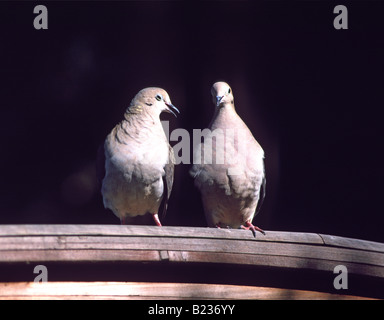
{"x":228,"y":166}
{"x":138,"y":160}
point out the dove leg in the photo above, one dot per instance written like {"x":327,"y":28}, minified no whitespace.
{"x":156,"y":218}
{"x":250,"y":226}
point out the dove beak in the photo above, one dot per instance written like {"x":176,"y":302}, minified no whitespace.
{"x":170,"y":108}
{"x":218,"y":100}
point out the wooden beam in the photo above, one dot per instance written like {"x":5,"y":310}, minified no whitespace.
{"x":172,"y":232}
{"x":139,"y":290}
{"x":170,"y":249}
{"x":181,"y":244}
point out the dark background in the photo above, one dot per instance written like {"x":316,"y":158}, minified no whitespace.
{"x":312,"y":95}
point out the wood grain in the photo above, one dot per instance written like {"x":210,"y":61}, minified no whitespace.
{"x":181,"y":246}
{"x":137,"y":290}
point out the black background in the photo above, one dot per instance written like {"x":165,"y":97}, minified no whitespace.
{"x":312,"y":96}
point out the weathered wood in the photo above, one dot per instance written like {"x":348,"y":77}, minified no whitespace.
{"x":77,"y":243}
{"x":182,"y":246}
{"x":273,"y":261}
{"x":136,"y":290}
{"x":79,"y":256}
{"x":172,"y":232}
{"x":336,"y":241}
{"x":21,"y":239}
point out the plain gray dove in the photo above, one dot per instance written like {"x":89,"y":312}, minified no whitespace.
{"x":228,"y":166}
{"x":139,"y":162}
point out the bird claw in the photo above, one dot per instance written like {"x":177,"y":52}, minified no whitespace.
{"x":156,"y":218}
{"x":250,"y":226}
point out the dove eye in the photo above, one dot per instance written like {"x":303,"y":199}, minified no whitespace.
{"x":159,"y":97}
{"x":229,"y":90}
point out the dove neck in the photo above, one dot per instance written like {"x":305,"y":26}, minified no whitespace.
{"x":141,"y":115}
{"x":223,"y":114}
{"x":138,"y":126}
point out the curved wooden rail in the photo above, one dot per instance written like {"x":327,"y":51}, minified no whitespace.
{"x":184,"y":256}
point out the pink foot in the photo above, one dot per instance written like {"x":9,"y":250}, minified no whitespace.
{"x":250,"y":226}
{"x":156,"y":218}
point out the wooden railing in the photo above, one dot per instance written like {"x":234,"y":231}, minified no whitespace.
{"x":111,"y":261}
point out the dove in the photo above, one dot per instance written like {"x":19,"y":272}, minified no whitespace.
{"x":228,"y":167}
{"x":137,"y":175}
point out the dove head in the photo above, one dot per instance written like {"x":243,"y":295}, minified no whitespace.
{"x":222,"y":94}
{"x":153,"y":101}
